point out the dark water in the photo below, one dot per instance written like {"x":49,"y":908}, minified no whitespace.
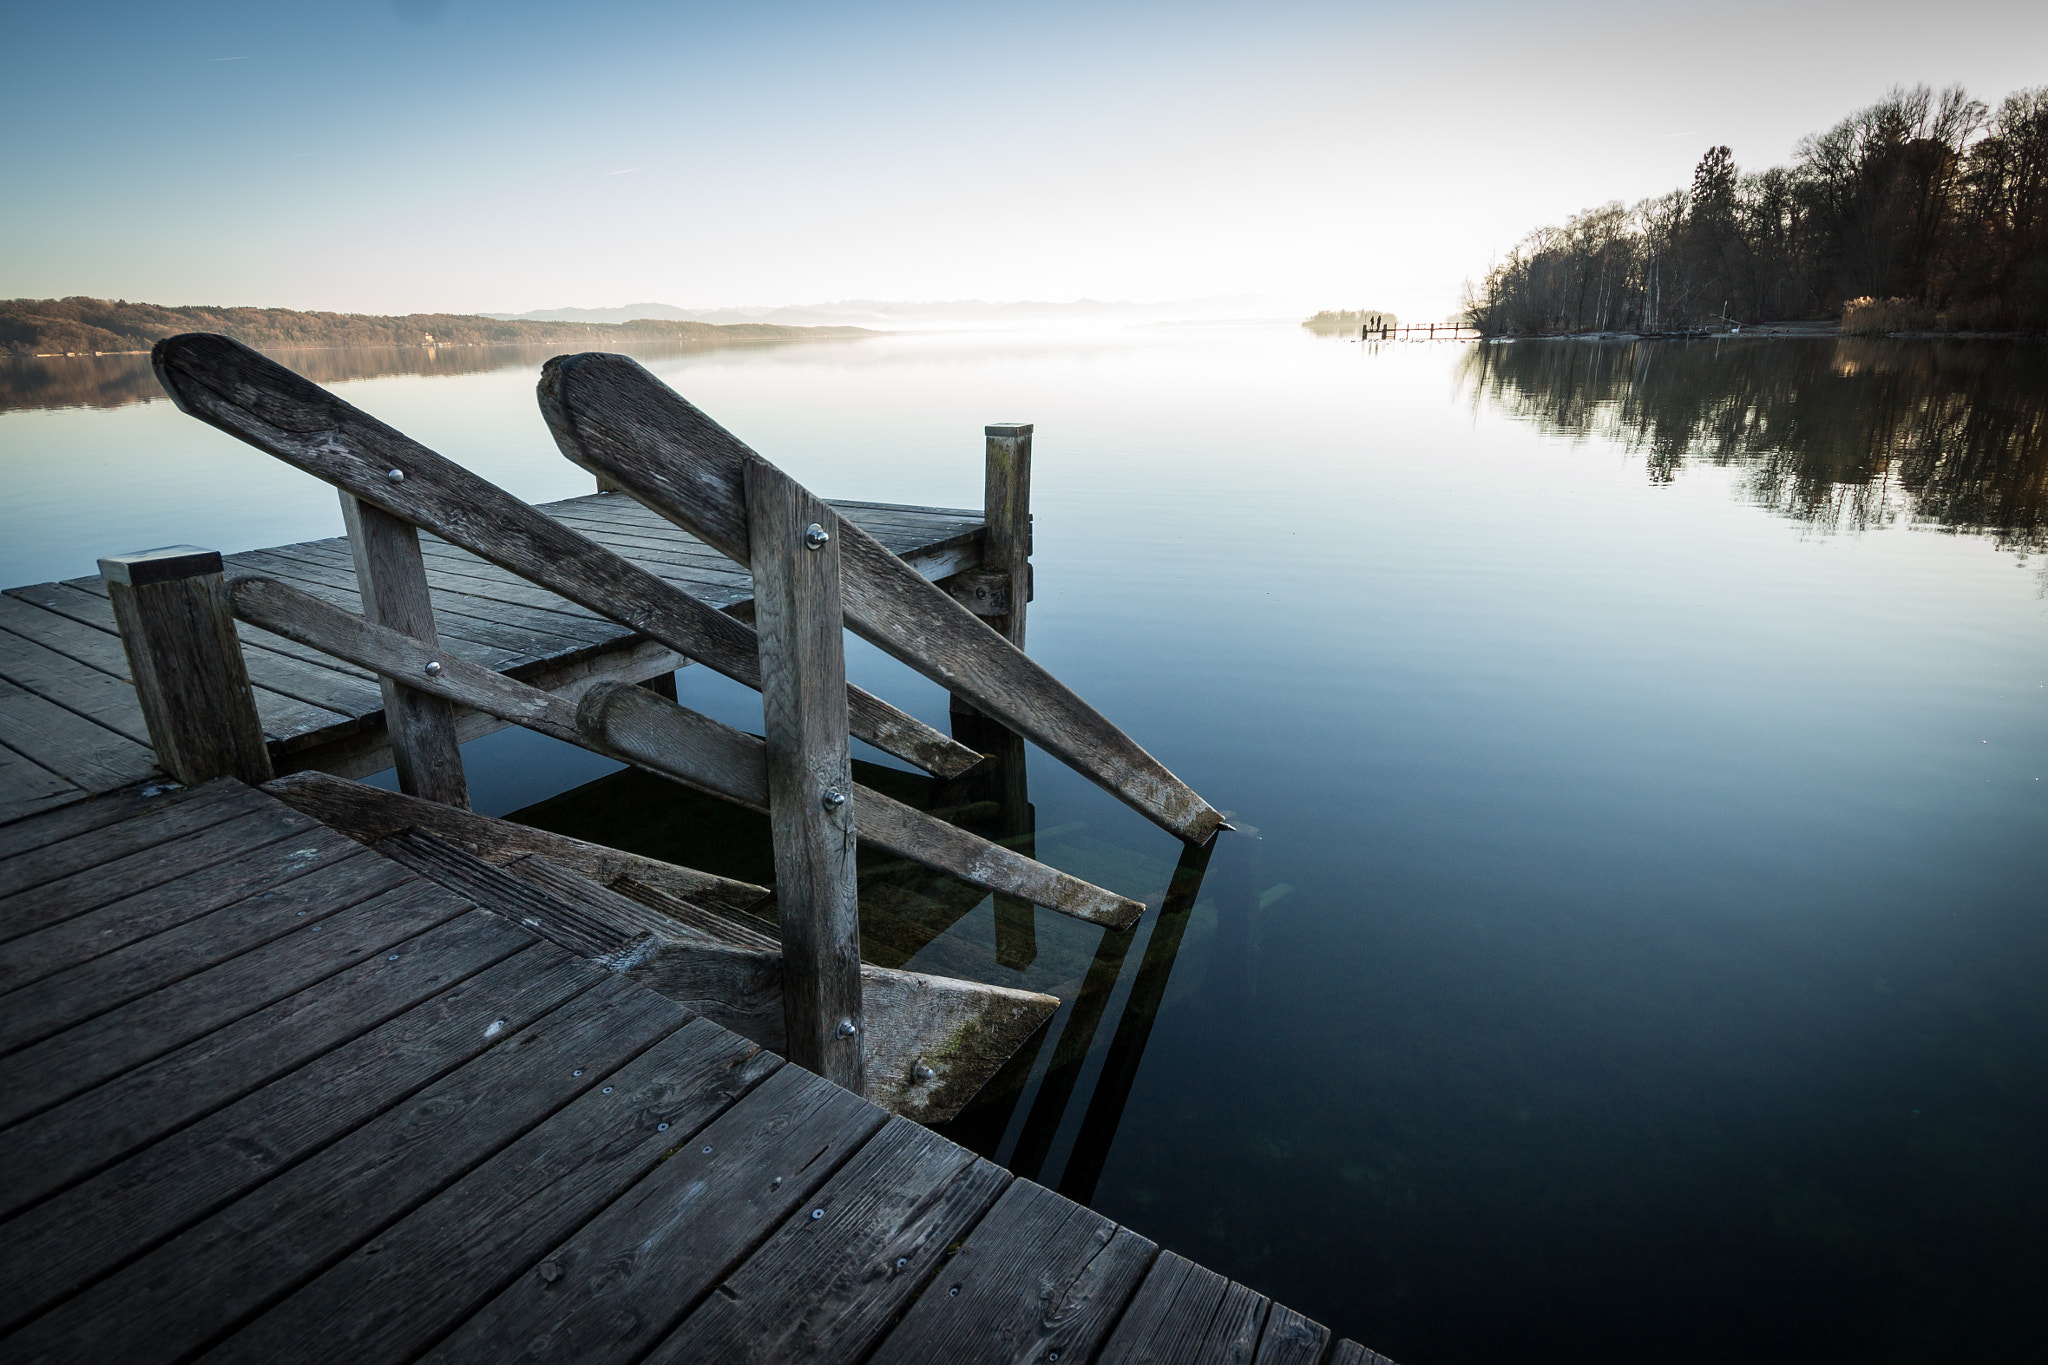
{"x":1637,"y":945}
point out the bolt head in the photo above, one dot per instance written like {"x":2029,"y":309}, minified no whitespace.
{"x":395,"y":475}
{"x":922,"y":1072}
{"x":847,"y":1028}
{"x":433,"y":667}
{"x":816,"y":537}
{"x":833,"y":798}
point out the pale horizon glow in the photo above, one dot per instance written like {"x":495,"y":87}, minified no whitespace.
{"x":447,"y":155}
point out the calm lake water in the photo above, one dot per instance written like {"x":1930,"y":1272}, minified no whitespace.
{"x":1636,"y":944}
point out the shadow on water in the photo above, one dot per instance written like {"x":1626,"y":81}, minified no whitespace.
{"x":1038,"y":1119}
{"x":1844,"y":433}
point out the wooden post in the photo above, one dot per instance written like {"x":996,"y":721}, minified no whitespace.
{"x":798,"y":613}
{"x":179,"y":630}
{"x":1006,"y":544}
{"x":392,"y":578}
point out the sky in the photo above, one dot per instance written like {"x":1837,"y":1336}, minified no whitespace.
{"x":393,"y":156}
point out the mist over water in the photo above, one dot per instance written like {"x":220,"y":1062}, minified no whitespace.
{"x":1633,"y":946}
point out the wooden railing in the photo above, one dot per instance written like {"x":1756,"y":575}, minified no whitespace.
{"x":814,"y":574}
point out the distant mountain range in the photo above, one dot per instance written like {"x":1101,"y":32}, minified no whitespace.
{"x":899,"y":314}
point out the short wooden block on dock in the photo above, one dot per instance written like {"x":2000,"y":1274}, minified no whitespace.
{"x":267,"y":1094}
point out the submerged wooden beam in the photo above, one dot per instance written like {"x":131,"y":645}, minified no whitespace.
{"x":227,"y":385}
{"x":612,"y":417}
{"x":634,"y":725}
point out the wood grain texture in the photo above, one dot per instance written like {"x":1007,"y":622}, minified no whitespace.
{"x":610,"y":415}
{"x":408,"y":1286}
{"x":66,"y":745}
{"x":223,"y":1271}
{"x":368,"y":814}
{"x":419,"y":726}
{"x":1006,"y":502}
{"x":187,"y":666}
{"x":224,"y":1132}
{"x":823,"y":1289}
{"x":1039,"y":1277}
{"x":1291,"y":1339}
{"x":1351,"y":1353}
{"x":501,"y":893}
{"x":623,"y":1281}
{"x":1186,"y":1315}
{"x":256,"y":400}
{"x":809,"y":774}
{"x":35,"y":853}
{"x":28,"y":789}
{"x":121,"y":1039}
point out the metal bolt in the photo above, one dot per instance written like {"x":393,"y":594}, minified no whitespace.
{"x":433,"y":667}
{"x":954,"y":1292}
{"x":577,"y":1072}
{"x":392,"y":958}
{"x":395,"y":475}
{"x":922,"y":1072}
{"x":816,"y":1214}
{"x":833,"y":798}
{"x":816,"y":537}
{"x":606,"y":1091}
{"x":707,"y":1150}
{"x":661,"y":1128}
{"x":902,"y":1261}
{"x":846,"y":1028}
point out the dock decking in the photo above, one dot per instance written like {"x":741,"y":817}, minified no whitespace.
{"x":70,"y":725}
{"x":267,"y":1094}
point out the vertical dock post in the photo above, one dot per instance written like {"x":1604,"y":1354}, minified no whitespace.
{"x":799,"y":615}
{"x":392,"y":578}
{"x":1006,"y":507}
{"x":172,"y":609}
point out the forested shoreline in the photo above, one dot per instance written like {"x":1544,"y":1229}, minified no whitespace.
{"x":87,"y":326}
{"x":1924,"y":211}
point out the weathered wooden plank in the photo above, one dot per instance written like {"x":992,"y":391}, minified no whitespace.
{"x":609,"y":415}
{"x":28,"y":789}
{"x":153,"y":865}
{"x":280,"y":682}
{"x":186,"y":662}
{"x":78,"y":750}
{"x":1291,"y":1339}
{"x":232,"y":387}
{"x":810,"y":774}
{"x":485,"y":640}
{"x":144,"y":1157}
{"x":44,"y":833}
{"x":83,"y":1056}
{"x":115,"y":826}
{"x":223,"y":1271}
{"x":392,"y":581}
{"x":622,"y":1282}
{"x":633,"y":725}
{"x":830,"y":1280}
{"x":633,"y":918}
{"x":501,"y":893}
{"x":1040,"y":1277}
{"x":401,"y":1291}
{"x":96,"y":962}
{"x":1184,"y":1314}
{"x":104,"y":700}
{"x":368,"y":814}
{"x":1006,"y":502}
{"x":1351,"y":1353}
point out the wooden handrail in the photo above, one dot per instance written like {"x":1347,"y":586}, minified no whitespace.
{"x":612,"y":417}
{"x":229,"y":386}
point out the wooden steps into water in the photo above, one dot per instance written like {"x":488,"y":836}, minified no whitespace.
{"x":70,"y":724}
{"x":267,"y":1093}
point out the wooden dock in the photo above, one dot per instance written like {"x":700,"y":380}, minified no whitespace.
{"x":70,"y":724}
{"x":270,"y":1094}
{"x":295,"y":1068}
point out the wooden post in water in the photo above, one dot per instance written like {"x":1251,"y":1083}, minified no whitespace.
{"x":392,"y":578}
{"x":179,"y":630}
{"x":799,"y":616}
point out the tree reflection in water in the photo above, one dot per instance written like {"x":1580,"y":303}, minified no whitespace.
{"x":1844,"y":433}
